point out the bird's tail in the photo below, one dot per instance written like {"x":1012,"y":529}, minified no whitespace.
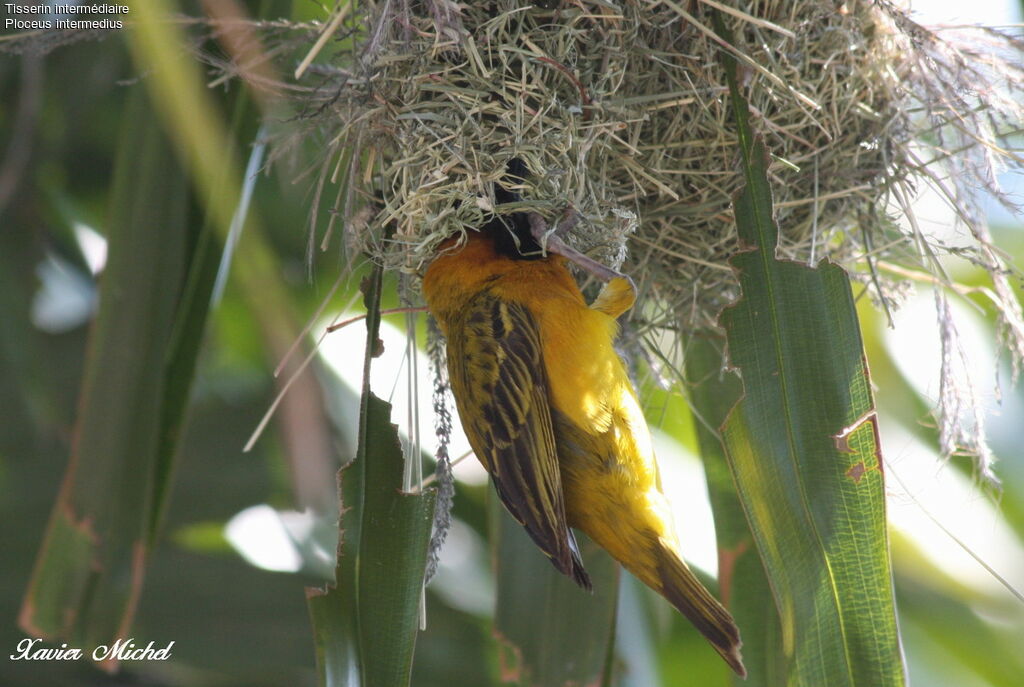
{"x":677,"y":583}
{"x":649,"y":551}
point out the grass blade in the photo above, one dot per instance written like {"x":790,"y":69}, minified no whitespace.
{"x":332,"y":608}
{"x":742,"y":581}
{"x":365,"y":624}
{"x":89,"y":571}
{"x":392,"y":555}
{"x":803,"y":448}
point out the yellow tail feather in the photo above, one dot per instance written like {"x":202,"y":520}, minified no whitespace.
{"x":683,"y":590}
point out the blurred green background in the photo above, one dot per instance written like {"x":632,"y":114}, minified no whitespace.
{"x":208,"y":587}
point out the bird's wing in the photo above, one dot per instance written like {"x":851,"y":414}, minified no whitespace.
{"x":497,"y":372}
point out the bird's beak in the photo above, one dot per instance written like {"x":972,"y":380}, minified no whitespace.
{"x":549,"y":239}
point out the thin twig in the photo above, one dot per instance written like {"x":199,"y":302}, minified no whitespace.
{"x":430,"y":479}
{"x":390,"y":311}
{"x":322,"y":40}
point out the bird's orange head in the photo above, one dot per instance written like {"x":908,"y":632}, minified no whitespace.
{"x":502,"y":247}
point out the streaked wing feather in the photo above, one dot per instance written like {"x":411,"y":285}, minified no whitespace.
{"x":501,"y":389}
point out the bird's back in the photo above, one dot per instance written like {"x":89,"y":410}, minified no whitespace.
{"x":603,"y":440}
{"x":608,"y":475}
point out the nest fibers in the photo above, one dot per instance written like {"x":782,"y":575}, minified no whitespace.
{"x":620,"y":110}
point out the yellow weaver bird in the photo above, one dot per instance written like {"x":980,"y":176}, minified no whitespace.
{"x":550,"y":411}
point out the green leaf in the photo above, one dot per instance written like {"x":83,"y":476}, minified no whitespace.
{"x":742,"y":582}
{"x":803,"y":448}
{"x":185,"y":341}
{"x":553,"y":633}
{"x":365,"y":624}
{"x":332,"y":608}
{"x":392,"y":555}
{"x":89,"y":571}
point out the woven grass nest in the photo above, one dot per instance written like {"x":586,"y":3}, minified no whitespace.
{"x":619,"y":109}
